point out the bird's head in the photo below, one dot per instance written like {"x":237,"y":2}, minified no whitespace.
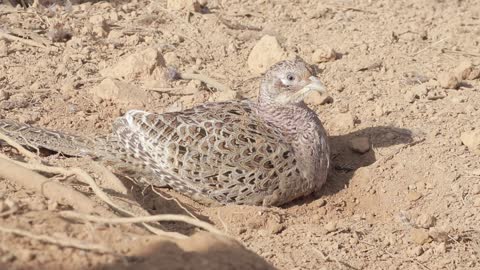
{"x":289,"y":82}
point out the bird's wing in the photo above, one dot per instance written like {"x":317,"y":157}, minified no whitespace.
{"x":222,"y":150}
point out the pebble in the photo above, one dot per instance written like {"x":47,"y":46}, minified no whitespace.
{"x":476,"y":202}
{"x":4,"y":95}
{"x":476,"y":189}
{"x":448,"y":80}
{"x":119,"y":91}
{"x":463,"y":70}
{"x":325,"y":54}
{"x":360,"y":144}
{"x":419,"y":236}
{"x":416,"y":251}
{"x":146,"y":64}
{"x":414,"y":196}
{"x":266,"y":52}
{"x":439,"y":234}
{"x":471,"y":139}
{"x":330,"y":226}
{"x":425,"y":221}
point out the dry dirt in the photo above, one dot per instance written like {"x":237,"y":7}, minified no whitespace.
{"x":410,"y":202}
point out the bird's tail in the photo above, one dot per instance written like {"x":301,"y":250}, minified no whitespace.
{"x":71,"y":145}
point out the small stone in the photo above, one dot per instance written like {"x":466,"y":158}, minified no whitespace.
{"x":471,"y":139}
{"x":145,"y":64}
{"x":224,"y":96}
{"x":474,"y":74}
{"x":315,"y":98}
{"x":410,"y":97}
{"x":448,"y":80}
{"x":419,"y":236}
{"x":439,"y":234}
{"x":425,"y":221}
{"x":115,"y":35}
{"x":360,"y":144}
{"x":414,"y":196}
{"x":4,"y":95}
{"x":264,"y":54}
{"x":476,"y":189}
{"x":331,"y":227}
{"x":416,"y":251}
{"x":463,"y":70}
{"x":276,"y":228}
{"x":325,"y":54}
{"x":120,"y":91}
{"x":476,"y":202}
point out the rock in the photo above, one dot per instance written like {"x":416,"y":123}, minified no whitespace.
{"x":146,"y":64}
{"x":264,"y":54}
{"x":410,"y":97}
{"x":344,"y":121}
{"x":119,"y":91}
{"x":475,"y":74}
{"x":223,"y":96}
{"x":315,"y":98}
{"x":448,"y":81}
{"x":471,"y":139}
{"x":420,"y":236}
{"x":463,"y":70}
{"x":360,"y":144}
{"x":425,"y":221}
{"x":188,"y":5}
{"x":439,"y":234}
{"x":275,"y":228}
{"x":325,"y":54}
{"x":416,"y":251}
{"x":331,"y":227}
{"x":476,"y":189}
{"x":476,"y":202}
{"x":4,"y":95}
{"x":414,"y":196}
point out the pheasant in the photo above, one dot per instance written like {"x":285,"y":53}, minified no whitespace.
{"x":265,"y":152}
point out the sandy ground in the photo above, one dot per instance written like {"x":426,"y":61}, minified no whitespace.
{"x":410,"y":202}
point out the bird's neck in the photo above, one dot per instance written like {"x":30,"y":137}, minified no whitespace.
{"x":295,"y":121}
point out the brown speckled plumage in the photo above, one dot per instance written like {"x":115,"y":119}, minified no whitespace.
{"x":266,"y":152}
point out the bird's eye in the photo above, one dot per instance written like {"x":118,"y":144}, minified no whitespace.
{"x":290,"y":77}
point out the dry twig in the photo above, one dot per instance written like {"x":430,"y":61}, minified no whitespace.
{"x":164,"y":217}
{"x":21,"y":40}
{"x":209,"y":81}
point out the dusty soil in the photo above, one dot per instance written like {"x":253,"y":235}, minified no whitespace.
{"x":410,"y":202}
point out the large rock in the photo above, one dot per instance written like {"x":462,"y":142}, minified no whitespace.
{"x":145,"y":64}
{"x":472,"y":140}
{"x":264,"y":54}
{"x":119,"y":91}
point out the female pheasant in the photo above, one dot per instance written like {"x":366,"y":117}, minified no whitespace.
{"x":265,"y":152}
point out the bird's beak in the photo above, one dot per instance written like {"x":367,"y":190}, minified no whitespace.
{"x":315,"y":85}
